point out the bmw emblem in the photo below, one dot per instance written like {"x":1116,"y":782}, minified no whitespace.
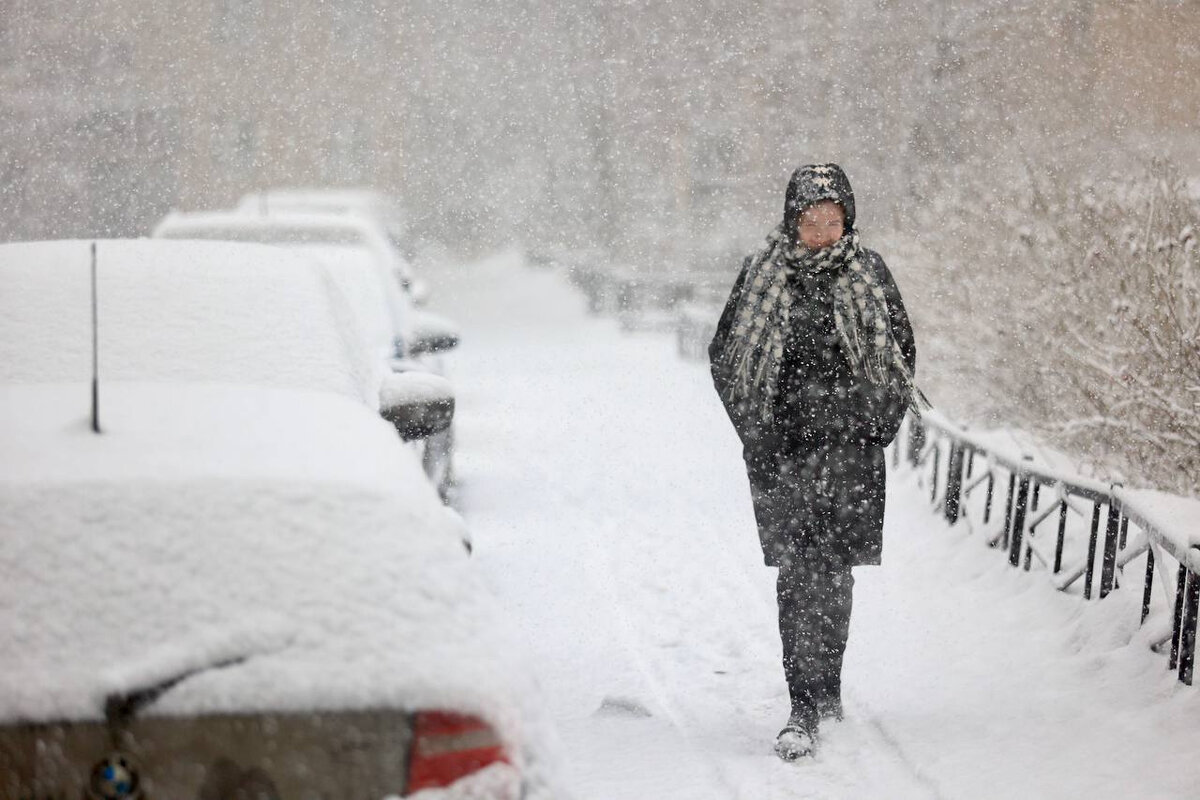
{"x":115,"y":777}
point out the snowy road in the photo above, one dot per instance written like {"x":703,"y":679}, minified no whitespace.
{"x":610,"y":512}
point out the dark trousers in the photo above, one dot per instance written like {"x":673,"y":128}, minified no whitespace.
{"x":814,"y":623}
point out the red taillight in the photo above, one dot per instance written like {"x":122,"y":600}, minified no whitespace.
{"x":447,"y":747}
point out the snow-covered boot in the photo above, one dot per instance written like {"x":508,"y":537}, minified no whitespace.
{"x":797,"y":739}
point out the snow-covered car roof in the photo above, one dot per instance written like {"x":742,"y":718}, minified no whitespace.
{"x":296,"y":227}
{"x":177,"y":311}
{"x":322,"y":195}
{"x":285,"y":227}
{"x":370,"y":202}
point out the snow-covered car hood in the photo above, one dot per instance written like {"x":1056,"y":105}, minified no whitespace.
{"x":208,"y":521}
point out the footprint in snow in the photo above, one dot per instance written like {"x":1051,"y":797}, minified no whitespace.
{"x":612,"y":706}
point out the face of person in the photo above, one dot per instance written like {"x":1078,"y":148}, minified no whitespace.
{"x":821,"y":224}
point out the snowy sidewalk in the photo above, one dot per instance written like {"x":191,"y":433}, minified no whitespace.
{"x":606,"y":495}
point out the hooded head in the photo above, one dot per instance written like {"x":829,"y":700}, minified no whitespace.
{"x":813,"y":183}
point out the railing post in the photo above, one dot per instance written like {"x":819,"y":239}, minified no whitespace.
{"x":1062,"y":535}
{"x":1187,"y":631}
{"x":987,"y":506}
{"x":1177,"y":617}
{"x":1111,"y":533}
{"x":1091,"y":556}
{"x":1148,"y":590}
{"x":1018,"y":523}
{"x":1008,"y":507}
{"x":1033,"y":506}
{"x":937,"y":466}
{"x":954,"y":469}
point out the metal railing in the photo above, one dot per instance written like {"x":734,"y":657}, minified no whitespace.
{"x":632,"y":295}
{"x":959,"y":464}
{"x":686,"y":303}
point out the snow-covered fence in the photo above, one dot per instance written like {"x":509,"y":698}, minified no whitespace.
{"x":687,"y":304}
{"x":590,"y":280}
{"x":639,"y":300}
{"x":960,"y":463}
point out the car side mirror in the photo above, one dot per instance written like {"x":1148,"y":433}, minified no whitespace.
{"x":432,"y":333}
{"x":419,"y":404}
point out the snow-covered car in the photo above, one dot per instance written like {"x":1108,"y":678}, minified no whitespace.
{"x":221,"y":572}
{"x":366,"y":204}
{"x":363,"y":263}
{"x":304,"y":229}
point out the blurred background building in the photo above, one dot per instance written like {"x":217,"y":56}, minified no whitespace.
{"x":658,"y":132}
{"x":114,"y":112}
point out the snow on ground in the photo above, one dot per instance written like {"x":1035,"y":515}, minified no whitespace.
{"x":610,"y":512}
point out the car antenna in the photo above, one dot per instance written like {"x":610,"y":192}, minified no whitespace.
{"x":95,"y":351}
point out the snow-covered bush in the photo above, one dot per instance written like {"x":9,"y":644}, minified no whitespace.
{"x":1134,"y":357}
{"x":1069,"y":307}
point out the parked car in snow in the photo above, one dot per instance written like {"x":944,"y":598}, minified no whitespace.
{"x":367,"y":204}
{"x":306,"y":229}
{"x":365,"y":267}
{"x":228,"y":578}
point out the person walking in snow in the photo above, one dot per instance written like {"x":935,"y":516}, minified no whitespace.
{"x":813,"y":359}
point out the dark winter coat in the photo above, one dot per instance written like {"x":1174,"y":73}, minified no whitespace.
{"x":817,"y":474}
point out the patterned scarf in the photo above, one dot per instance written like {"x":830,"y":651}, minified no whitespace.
{"x":754,"y":349}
